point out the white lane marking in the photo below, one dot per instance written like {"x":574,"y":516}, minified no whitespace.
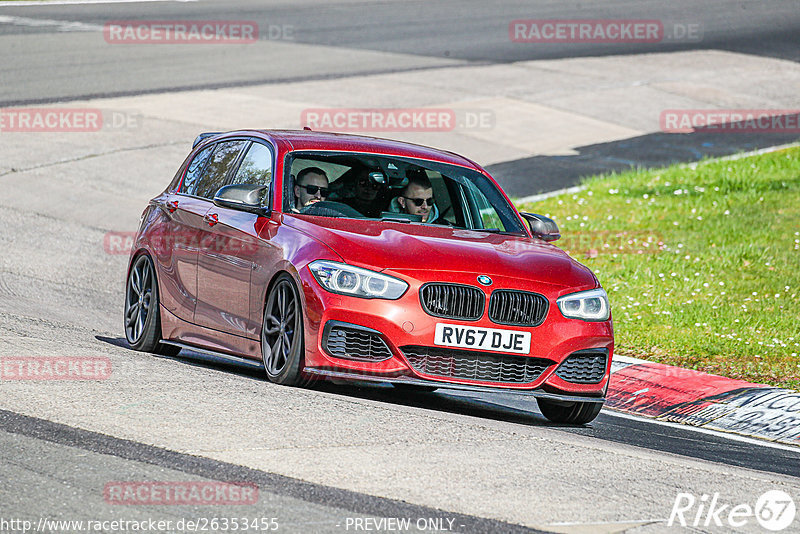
{"x":623,"y":522}
{"x":733,"y":157}
{"x":542,"y":196}
{"x":743,"y":155}
{"x":701,"y":430}
{"x":62,"y":25}
{"x":79,"y":2}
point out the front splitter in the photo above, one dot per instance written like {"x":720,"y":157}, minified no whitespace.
{"x":538,"y":393}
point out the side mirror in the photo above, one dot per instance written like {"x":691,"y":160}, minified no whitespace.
{"x":542,"y":227}
{"x":244,"y":197}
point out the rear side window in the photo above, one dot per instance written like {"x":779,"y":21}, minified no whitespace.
{"x":195,"y":170}
{"x":216,"y":170}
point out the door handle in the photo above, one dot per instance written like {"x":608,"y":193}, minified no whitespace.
{"x":170,"y":206}
{"x":211,"y":219}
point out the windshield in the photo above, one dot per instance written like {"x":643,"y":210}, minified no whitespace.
{"x":369,"y":186}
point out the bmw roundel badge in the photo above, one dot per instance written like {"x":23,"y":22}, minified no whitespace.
{"x":485,"y":280}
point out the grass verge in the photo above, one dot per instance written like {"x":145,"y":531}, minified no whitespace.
{"x":702,"y":265}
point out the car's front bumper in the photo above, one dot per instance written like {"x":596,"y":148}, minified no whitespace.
{"x":403,"y":324}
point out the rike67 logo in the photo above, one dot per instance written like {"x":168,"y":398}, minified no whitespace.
{"x":774,"y":510}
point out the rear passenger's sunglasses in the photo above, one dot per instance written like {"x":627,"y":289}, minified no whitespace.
{"x":312,"y":190}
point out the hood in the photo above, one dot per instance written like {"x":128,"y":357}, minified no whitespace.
{"x":398,"y":247}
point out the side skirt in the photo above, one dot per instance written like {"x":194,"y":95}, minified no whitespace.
{"x":239,"y":360}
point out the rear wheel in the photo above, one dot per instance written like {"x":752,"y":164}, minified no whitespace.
{"x":573,"y":413}
{"x":142,"y":314}
{"x":282,"y":343}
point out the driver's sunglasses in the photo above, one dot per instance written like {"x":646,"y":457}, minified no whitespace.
{"x":418,"y":202}
{"x":312,"y":190}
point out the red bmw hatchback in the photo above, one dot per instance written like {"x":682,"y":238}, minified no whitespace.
{"x":346,"y":257}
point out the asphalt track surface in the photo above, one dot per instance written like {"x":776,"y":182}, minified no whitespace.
{"x":469,"y":32}
{"x":54,"y":469}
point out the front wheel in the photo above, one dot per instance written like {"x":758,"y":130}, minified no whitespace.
{"x":282,"y":334}
{"x":142,"y":314}
{"x":573,"y":413}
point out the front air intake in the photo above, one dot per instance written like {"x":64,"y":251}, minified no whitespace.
{"x":584,"y":367}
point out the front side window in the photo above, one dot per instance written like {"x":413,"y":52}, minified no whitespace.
{"x":256,"y":167}
{"x":395,"y":189}
{"x":483,"y":213}
{"x":216,"y":170}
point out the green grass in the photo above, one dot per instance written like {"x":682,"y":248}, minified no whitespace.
{"x":702,"y":265}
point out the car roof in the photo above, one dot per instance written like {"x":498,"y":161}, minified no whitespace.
{"x":329,"y":141}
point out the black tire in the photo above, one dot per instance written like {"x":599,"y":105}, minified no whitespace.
{"x":414,"y":388}
{"x":574,"y":413}
{"x":142,"y":317}
{"x":282,"y":344}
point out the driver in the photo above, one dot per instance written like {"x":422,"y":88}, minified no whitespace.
{"x":311,"y":186}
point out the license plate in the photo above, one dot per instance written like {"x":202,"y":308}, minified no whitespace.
{"x":474,"y":337}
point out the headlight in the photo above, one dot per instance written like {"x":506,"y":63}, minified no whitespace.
{"x":587,"y":305}
{"x":357,"y":282}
